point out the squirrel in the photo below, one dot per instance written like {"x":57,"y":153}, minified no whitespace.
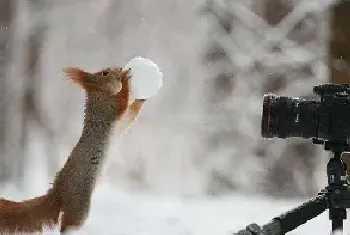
{"x":107,"y":103}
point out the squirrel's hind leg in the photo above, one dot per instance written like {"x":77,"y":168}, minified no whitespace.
{"x":71,"y":222}
{"x":73,"y":218}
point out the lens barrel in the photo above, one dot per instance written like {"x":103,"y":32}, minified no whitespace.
{"x":285,"y":117}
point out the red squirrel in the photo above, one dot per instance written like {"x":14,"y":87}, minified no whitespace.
{"x":107,"y":104}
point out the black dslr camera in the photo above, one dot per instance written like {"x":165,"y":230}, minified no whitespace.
{"x":327,"y":118}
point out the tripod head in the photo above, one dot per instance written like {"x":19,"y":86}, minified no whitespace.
{"x":335,"y":197}
{"x":334,"y":146}
{"x":336,"y":168}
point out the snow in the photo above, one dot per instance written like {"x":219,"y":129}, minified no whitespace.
{"x":149,"y":214}
{"x":118,"y":212}
{"x":146,"y":78}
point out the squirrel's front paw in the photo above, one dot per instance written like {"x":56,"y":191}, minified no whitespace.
{"x":128,"y":76}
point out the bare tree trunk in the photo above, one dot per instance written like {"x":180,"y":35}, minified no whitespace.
{"x":27,"y":110}
{"x":33,"y":85}
{"x":6,"y":15}
{"x":339,"y":49}
{"x":31,"y":82}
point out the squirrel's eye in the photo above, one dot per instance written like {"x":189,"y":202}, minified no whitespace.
{"x":105,"y":73}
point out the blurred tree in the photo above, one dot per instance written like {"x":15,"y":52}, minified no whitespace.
{"x":33,"y":85}
{"x":22,"y":110}
{"x":298,"y":155}
{"x":251,"y":50}
{"x":6,"y":28}
{"x":218,"y":89}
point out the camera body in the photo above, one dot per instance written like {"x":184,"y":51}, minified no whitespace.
{"x":325,"y":118}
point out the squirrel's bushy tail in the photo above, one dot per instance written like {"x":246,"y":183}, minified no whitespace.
{"x":30,"y":215}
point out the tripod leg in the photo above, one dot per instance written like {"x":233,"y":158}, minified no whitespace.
{"x":337,"y":185}
{"x":337,"y":215}
{"x":337,"y":225}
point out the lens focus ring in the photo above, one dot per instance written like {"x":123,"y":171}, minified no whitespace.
{"x":267,"y":121}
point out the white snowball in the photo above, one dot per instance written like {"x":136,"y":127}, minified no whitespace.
{"x":146,"y":78}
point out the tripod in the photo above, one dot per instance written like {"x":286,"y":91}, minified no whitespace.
{"x":335,"y":197}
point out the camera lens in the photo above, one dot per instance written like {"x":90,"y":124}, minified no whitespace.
{"x":285,"y":117}
{"x":277,"y":116}
{"x":267,"y":121}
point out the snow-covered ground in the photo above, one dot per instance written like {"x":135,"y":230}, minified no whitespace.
{"x":117,"y":212}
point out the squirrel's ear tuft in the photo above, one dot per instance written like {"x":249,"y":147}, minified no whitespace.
{"x":78,"y":76}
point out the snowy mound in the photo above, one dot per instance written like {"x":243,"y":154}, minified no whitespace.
{"x":146,"y":77}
